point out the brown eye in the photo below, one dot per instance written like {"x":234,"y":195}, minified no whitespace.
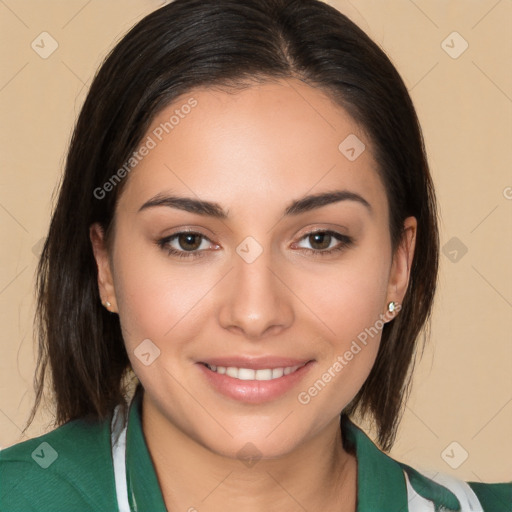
{"x":189,"y":241}
{"x":320,"y":241}
{"x":325,"y":243}
{"x":186,"y":244}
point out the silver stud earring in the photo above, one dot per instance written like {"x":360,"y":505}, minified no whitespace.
{"x":392,"y":306}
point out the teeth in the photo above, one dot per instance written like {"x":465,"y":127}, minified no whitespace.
{"x":246,"y":374}
{"x":250,"y":374}
{"x":232,"y":372}
{"x":263,"y":374}
{"x":277,"y":372}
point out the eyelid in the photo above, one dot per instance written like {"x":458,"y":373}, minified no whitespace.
{"x":344,"y":241}
{"x":197,"y":233}
{"x":164,"y":243}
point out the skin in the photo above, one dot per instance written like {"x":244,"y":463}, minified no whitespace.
{"x":253,"y":152}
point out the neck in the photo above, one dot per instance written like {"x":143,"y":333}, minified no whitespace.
{"x":318,"y":475}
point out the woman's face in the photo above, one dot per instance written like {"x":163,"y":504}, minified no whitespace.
{"x":251,"y":286}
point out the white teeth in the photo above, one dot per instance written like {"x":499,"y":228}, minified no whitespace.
{"x":250,"y":374}
{"x":264,"y":374}
{"x":246,"y":374}
{"x":277,"y":372}
{"x":231,"y":371}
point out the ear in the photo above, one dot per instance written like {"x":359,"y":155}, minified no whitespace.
{"x":101,"y":255}
{"x":402,"y":262}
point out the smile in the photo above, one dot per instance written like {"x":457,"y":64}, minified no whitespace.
{"x":250,"y":374}
{"x":268,"y":379}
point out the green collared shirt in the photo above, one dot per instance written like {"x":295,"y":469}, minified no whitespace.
{"x":70,"y":469}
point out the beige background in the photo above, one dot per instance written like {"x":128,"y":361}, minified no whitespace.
{"x":463,"y":384}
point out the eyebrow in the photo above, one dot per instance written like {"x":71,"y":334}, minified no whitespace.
{"x":211,"y":209}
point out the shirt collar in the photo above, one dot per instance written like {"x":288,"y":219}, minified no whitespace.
{"x":144,"y":491}
{"x":380,"y":479}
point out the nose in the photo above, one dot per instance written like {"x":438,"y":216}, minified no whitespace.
{"x":255,"y":301}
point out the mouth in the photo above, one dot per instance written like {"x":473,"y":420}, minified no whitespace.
{"x":254,"y":381}
{"x":261,"y":374}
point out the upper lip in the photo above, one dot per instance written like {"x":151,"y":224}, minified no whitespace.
{"x":255,"y":363}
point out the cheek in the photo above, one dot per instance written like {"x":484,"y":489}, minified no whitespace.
{"x":349,"y":301}
{"x":349,"y":296}
{"x":138,"y":289}
{"x":156,"y":297}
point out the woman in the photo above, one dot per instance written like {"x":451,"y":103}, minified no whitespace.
{"x":246,"y":231}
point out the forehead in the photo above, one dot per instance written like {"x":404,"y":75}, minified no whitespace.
{"x":262,"y":144}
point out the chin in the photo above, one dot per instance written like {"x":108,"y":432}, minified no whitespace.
{"x":270,"y":438}
{"x":250,"y":450}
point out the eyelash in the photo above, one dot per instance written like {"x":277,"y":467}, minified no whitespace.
{"x":345,"y":241}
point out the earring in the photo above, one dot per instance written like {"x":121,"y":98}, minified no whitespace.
{"x":107,"y":304}
{"x":392,"y":306}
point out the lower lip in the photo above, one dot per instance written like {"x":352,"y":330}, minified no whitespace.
{"x":254,"y":391}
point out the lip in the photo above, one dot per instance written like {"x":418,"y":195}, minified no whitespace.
{"x":254,"y":391}
{"x":255,"y":363}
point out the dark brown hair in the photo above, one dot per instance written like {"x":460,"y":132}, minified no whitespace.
{"x":224,"y":44}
